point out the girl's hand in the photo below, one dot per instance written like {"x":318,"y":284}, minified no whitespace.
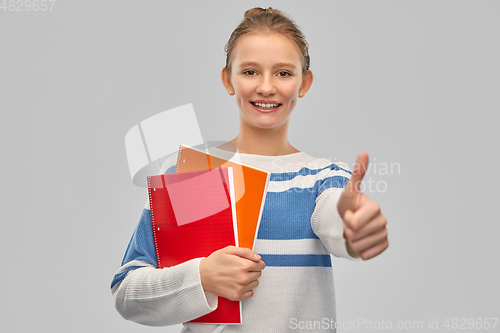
{"x":231,"y":272}
{"x":364,"y":225}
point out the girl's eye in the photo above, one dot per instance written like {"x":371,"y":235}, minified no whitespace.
{"x":284,"y":74}
{"x":249,"y":72}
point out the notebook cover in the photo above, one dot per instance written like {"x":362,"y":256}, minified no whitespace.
{"x":250,"y":188}
{"x":193,"y":214}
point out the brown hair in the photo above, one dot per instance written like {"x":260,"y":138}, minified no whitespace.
{"x":268,"y":20}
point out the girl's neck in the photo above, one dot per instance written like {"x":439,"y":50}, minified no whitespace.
{"x":262,"y":142}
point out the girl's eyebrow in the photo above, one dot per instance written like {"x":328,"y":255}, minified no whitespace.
{"x":279,"y":64}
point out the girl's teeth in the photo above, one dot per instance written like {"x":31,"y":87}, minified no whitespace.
{"x":266,"y":105}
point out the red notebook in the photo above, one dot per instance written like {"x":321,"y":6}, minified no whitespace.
{"x":193,"y":214}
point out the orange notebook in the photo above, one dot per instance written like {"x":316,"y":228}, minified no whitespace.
{"x":193,"y":214}
{"x":250,"y":188}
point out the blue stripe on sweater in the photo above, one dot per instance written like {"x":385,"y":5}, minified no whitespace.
{"x":287,"y":215}
{"x":141,"y":245}
{"x":285,"y":176}
{"x":332,"y":182}
{"x":296,"y":260}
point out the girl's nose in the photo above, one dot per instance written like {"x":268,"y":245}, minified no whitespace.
{"x":266,"y":86}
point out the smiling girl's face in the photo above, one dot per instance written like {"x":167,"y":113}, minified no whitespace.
{"x":266,"y":78}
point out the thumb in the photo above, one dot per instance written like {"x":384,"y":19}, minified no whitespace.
{"x":243,"y":252}
{"x":358,"y":172}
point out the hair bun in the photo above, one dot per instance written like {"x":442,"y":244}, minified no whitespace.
{"x":258,"y":10}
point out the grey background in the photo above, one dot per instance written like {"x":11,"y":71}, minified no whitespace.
{"x":413,"y":83}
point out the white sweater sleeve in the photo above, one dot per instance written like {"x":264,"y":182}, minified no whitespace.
{"x":160,"y":297}
{"x":326,"y":221}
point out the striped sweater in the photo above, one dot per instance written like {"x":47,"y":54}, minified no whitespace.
{"x":300,"y":228}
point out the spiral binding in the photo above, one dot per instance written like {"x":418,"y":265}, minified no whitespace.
{"x":178,"y":158}
{"x":153,"y":220}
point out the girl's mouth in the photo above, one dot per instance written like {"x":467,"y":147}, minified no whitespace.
{"x":266,"y":107}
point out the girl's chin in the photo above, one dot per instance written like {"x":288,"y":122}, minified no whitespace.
{"x":266,"y":125}
{"x":264,"y":121}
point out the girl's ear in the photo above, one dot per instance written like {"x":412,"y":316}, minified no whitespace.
{"x":306,"y":83}
{"x":226,"y":81}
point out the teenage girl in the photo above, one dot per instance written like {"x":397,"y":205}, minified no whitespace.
{"x":313,"y":208}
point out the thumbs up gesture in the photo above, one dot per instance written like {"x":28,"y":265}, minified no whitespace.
{"x":364,"y":225}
